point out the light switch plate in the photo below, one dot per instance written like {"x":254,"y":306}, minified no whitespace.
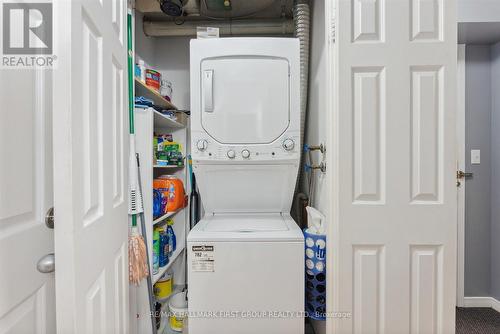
{"x":475,"y":157}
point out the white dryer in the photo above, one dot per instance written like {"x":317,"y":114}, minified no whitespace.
{"x":246,"y":256}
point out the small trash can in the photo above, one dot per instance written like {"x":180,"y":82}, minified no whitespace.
{"x":315,"y":271}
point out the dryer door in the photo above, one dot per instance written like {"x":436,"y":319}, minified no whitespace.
{"x":245,"y":99}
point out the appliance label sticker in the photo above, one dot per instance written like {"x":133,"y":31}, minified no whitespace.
{"x":203,"y":258}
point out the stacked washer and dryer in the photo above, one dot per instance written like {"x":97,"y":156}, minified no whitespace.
{"x":246,"y":256}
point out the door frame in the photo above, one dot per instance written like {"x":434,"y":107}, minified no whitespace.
{"x":461,"y":166}
{"x":332,"y":160}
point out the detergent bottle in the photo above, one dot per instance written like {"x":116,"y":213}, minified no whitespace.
{"x":171,"y":239}
{"x":156,"y":250}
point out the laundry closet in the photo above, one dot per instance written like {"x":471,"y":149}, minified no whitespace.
{"x":259,"y":199}
{"x":360,"y":139}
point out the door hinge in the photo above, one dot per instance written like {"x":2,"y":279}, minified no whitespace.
{"x":332,"y":30}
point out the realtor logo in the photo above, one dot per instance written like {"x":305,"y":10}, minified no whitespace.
{"x":27,"y":34}
{"x":27,"y":28}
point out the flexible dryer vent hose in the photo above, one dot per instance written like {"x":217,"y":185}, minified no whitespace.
{"x":302,"y":23}
{"x":302,"y":27}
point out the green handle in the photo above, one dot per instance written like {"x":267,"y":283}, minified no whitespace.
{"x":130,"y":75}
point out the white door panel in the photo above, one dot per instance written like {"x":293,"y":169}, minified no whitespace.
{"x":27,"y":297}
{"x":90,"y":140}
{"x":397,"y":194}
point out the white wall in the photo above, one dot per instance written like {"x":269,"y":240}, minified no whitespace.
{"x":144,"y":46}
{"x":169,"y":56}
{"x":478,"y":10}
{"x":477,"y":190}
{"x":316,"y":123}
{"x":482,"y":249}
{"x":172,"y":60}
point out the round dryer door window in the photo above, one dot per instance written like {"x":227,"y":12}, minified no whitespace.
{"x":245,"y":100}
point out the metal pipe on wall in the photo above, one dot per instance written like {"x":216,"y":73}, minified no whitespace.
{"x":227,"y":28}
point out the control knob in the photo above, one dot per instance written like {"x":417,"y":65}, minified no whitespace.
{"x":231,"y":154}
{"x":245,"y":154}
{"x":202,"y":144}
{"x":288,"y":144}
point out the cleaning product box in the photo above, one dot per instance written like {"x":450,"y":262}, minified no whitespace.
{"x":166,"y":151}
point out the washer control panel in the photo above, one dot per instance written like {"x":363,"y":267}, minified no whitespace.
{"x":285,"y":148}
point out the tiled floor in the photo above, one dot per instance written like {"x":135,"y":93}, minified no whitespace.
{"x":477,"y":320}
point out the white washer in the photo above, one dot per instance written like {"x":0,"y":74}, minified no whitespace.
{"x":246,"y":256}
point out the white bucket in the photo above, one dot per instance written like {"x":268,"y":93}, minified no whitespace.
{"x":164,"y":325}
{"x":178,"y":306}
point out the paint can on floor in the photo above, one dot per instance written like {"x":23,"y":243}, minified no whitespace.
{"x":178,"y":306}
{"x":163,"y":288}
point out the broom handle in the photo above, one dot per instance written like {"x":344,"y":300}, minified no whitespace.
{"x":130,"y":80}
{"x":130,"y":75}
{"x":131,"y":131}
{"x":144,"y":235}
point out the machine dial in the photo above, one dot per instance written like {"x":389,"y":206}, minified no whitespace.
{"x":231,"y":154}
{"x":288,"y":144}
{"x":202,"y":144}
{"x":245,"y":154}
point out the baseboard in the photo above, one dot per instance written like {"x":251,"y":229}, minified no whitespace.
{"x":495,"y":304}
{"x":482,"y":302}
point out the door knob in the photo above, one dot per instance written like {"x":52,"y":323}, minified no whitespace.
{"x":461,"y":174}
{"x":46,"y":264}
{"x":49,"y":218}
